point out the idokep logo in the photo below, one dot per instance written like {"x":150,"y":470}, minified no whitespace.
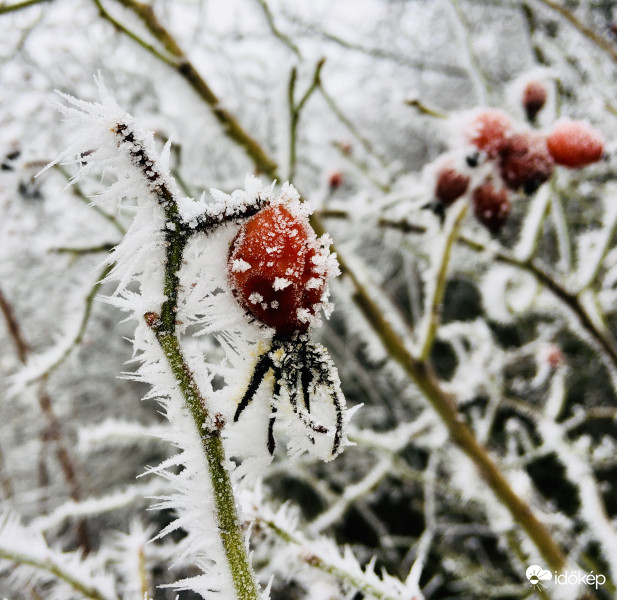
{"x":537,"y":576}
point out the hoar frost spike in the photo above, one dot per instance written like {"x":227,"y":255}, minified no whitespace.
{"x":278,"y":271}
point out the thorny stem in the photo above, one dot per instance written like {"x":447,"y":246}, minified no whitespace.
{"x":184,"y":67}
{"x":50,"y":567}
{"x":224,"y":499}
{"x":164,"y":328}
{"x":445,"y":406}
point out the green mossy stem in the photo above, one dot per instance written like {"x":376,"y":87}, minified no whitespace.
{"x":164,"y":327}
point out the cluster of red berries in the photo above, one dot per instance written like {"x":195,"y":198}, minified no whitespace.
{"x":518,"y":159}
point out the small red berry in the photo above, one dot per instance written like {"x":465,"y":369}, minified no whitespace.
{"x":450,"y":185}
{"x":534,"y":99}
{"x":346,"y":148}
{"x":554,"y":356}
{"x":491,"y":206}
{"x":525,"y":162}
{"x":575,"y":144}
{"x":336,"y":180}
{"x":274,"y":270}
{"x":488,"y":130}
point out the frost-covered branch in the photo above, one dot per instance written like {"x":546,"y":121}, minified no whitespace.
{"x":27,"y":549}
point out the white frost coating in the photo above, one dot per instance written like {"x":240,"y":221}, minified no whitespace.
{"x":98,"y":506}
{"x":255,"y":298}
{"x":27,"y":541}
{"x":533,"y":223}
{"x":139,"y":260}
{"x":507,"y":292}
{"x":280,"y":283}
{"x":240,"y":266}
{"x":285,"y":519}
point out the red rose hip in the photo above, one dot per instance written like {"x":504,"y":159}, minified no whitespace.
{"x":575,"y":144}
{"x":275,"y":271}
{"x":525,"y":162}
{"x":488,"y":130}
{"x":491,"y":206}
{"x":450,"y":185}
{"x":534,"y":99}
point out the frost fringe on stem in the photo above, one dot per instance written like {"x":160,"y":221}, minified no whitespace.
{"x":176,"y":229}
{"x":158,"y":228}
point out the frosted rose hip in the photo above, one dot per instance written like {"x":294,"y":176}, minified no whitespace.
{"x":450,"y":185}
{"x":491,"y":206}
{"x":575,"y":144}
{"x":534,"y":99}
{"x":525,"y":162}
{"x":272,"y":270}
{"x":488,"y":129}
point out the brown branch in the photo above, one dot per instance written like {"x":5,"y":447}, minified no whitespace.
{"x":570,"y":300}
{"x":54,"y":430}
{"x":7,"y":8}
{"x":445,"y":406}
{"x":589,"y":33}
{"x":183,"y":66}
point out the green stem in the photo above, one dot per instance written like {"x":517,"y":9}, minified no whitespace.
{"x":19,"y":5}
{"x":164,"y":328}
{"x":224,"y":499}
{"x":323,"y":565}
{"x":296,"y":109}
{"x":433,"y":314}
{"x":50,"y":567}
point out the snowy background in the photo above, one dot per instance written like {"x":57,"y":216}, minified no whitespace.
{"x":525,"y":348}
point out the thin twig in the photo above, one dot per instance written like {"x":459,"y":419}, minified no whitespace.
{"x":54,"y":432}
{"x":425,"y":109}
{"x":433,"y":311}
{"x":7,"y":8}
{"x":183,"y":66}
{"x":49,"y":566}
{"x":276,"y":31}
{"x":589,"y":33}
{"x":295,"y":110}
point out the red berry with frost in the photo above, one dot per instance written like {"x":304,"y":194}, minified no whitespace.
{"x":450,"y":185}
{"x":575,"y":144}
{"x":488,"y":130}
{"x":491,"y":206}
{"x":525,"y":162}
{"x":275,"y":269}
{"x":534,"y":99}
{"x":336,"y":180}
